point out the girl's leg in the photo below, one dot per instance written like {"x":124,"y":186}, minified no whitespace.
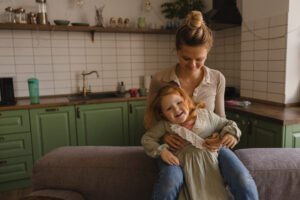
{"x":237,"y":176}
{"x":169,"y":181}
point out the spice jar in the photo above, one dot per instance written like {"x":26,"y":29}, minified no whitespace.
{"x":9,"y":15}
{"x":42,"y":13}
{"x":20,"y":16}
{"x":126,"y":22}
{"x":31,"y":18}
{"x":120,"y":22}
{"x":112,"y":22}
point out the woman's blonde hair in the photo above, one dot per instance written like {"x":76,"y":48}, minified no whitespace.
{"x":194,"y":32}
{"x":154,"y":112}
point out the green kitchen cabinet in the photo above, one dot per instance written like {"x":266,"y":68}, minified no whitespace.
{"x":14,"y":121}
{"x":15,"y":150}
{"x":292,"y":136}
{"x":265,"y":134}
{"x":104,"y":124}
{"x":52,"y":127}
{"x":136,"y":121}
{"x":257,"y":133}
{"x":243,"y":123}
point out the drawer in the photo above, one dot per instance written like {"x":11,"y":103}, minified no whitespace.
{"x":13,"y":145}
{"x":13,"y":169}
{"x":15,"y":121}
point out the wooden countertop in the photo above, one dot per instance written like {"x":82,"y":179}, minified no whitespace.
{"x":63,"y":101}
{"x":277,"y":114}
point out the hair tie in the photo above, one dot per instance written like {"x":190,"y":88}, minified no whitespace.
{"x":196,"y":33}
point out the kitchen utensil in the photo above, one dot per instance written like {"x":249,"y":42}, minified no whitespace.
{"x":61,"y":22}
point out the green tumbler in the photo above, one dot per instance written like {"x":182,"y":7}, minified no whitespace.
{"x":33,"y":87}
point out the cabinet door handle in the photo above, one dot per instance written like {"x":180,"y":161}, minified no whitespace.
{"x":78,"y":113}
{"x":51,"y":109}
{"x":130,"y":108}
{"x":3,"y":162}
{"x":2,"y":139}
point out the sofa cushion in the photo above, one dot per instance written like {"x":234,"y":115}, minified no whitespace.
{"x":276,"y":171}
{"x":97,"y":172}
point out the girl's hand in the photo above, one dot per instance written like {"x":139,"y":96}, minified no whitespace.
{"x":175,"y":142}
{"x":169,"y":158}
{"x":229,"y":141}
{"x":213,"y":143}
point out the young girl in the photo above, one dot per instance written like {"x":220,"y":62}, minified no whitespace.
{"x":179,"y":115}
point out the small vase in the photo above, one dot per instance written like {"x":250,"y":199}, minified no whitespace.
{"x":142,"y":22}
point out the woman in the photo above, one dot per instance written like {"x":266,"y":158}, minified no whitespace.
{"x":202,"y":84}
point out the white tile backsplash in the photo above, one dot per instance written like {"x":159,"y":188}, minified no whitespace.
{"x":269,"y":59}
{"x":248,"y":57}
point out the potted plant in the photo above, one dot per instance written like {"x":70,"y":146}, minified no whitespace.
{"x":180,"y":8}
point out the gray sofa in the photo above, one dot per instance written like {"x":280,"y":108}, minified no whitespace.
{"x":114,"y":173}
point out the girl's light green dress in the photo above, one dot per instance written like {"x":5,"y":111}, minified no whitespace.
{"x":202,"y":177}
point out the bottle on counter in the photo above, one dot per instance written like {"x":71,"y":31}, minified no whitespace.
{"x":33,"y":87}
{"x":42,"y":17}
{"x":122,"y":89}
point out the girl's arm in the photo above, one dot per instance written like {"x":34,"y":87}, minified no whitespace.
{"x":151,"y":140}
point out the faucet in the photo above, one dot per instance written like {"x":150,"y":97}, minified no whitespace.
{"x":84,"y":89}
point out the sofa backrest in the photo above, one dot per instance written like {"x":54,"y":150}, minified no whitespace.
{"x":97,"y":172}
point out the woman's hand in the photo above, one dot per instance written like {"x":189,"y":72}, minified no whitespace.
{"x":175,"y":142}
{"x":213,"y":143}
{"x":169,"y":158}
{"x":229,"y":141}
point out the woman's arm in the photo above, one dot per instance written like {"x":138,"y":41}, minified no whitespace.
{"x":229,"y":131}
{"x":220,"y":95}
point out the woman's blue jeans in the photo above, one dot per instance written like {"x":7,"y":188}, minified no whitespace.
{"x":234,"y":173}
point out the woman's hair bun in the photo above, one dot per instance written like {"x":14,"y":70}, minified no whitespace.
{"x":194,"y":19}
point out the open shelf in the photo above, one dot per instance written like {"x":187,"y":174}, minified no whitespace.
{"x":91,"y":29}
{"x":83,"y":28}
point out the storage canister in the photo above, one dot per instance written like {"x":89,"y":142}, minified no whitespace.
{"x":33,"y":87}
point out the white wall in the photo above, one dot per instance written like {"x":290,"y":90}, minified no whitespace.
{"x":259,"y":9}
{"x":292,"y":87}
{"x":263,"y":49}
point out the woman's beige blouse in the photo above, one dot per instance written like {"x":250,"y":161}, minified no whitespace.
{"x":211,"y":89}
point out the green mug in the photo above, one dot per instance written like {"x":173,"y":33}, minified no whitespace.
{"x":143,"y":92}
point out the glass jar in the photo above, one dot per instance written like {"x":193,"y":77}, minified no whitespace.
{"x":31,"y":18}
{"x":42,"y":13}
{"x":20,"y":16}
{"x":9,"y":15}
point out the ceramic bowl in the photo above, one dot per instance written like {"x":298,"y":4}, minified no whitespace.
{"x":61,"y":22}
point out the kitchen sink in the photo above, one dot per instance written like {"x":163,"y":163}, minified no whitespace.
{"x":92,"y":96}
